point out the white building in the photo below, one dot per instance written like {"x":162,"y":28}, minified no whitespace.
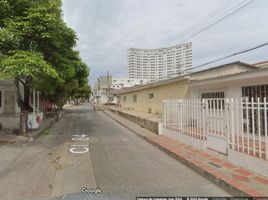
{"x":226,"y":111}
{"x":102,"y":93}
{"x":119,"y":83}
{"x":162,"y":63}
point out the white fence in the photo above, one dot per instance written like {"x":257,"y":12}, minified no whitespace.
{"x":242,"y":122}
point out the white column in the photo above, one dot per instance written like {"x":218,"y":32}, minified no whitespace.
{"x":34,"y":102}
{"x":38,"y":109}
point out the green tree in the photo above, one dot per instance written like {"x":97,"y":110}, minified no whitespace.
{"x":36,"y":49}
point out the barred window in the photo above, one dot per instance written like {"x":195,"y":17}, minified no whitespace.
{"x":215,"y":99}
{"x":255,"y":115}
{"x":255,"y":91}
{"x":212,"y":95}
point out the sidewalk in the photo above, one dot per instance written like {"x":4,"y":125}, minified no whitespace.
{"x":8,"y":137}
{"x":235,"y":180}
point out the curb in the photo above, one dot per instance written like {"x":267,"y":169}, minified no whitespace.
{"x":205,"y":173}
{"x":37,"y":132}
{"x":121,"y":123}
{"x":144,"y":122}
{"x":221,"y":182}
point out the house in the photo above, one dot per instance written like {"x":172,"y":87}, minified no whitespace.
{"x":102,"y":93}
{"x":106,"y":88}
{"x":121,"y":83}
{"x":261,"y":64}
{"x":229,"y":80}
{"x":224,"y":108}
{"x":10,"y":111}
{"x":226,"y":112}
{"x":149,"y":97}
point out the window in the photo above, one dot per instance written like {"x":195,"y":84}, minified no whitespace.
{"x":151,"y":95}
{"x":124,"y":99}
{"x":250,"y":111}
{"x":212,"y":95}
{"x":134,"y":98}
{"x":215,"y":99}
{"x":255,"y":91}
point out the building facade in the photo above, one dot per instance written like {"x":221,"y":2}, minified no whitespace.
{"x":162,"y":63}
{"x":105,"y":88}
{"x":9,"y":109}
{"x":120,"y":83}
{"x":223,"y":108}
{"x":149,"y":97}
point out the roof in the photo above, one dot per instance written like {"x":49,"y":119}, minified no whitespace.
{"x":154,"y":84}
{"x":259,"y":71}
{"x":260,"y":64}
{"x":227,"y":64}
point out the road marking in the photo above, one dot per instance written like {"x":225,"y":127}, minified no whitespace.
{"x":82,"y":137}
{"x":79,"y":148}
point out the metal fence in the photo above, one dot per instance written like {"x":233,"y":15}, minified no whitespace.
{"x":241,"y":121}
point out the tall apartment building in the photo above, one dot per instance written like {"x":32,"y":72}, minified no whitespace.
{"x":162,"y":63}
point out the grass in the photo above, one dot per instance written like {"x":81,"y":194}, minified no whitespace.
{"x":45,"y":132}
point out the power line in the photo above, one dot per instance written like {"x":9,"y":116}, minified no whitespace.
{"x":207,"y":25}
{"x":231,"y":55}
{"x":220,"y":15}
{"x":217,"y":19}
{"x":225,"y":7}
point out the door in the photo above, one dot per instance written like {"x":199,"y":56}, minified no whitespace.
{"x":9,"y":107}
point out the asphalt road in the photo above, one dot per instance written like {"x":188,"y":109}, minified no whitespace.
{"x":115,"y":160}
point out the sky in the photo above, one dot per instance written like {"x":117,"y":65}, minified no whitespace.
{"x":108,"y":28}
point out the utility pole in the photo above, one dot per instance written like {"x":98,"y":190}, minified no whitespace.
{"x":98,"y":94}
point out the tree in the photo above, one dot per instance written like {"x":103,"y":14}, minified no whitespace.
{"x":23,"y":66}
{"x":36,"y":49}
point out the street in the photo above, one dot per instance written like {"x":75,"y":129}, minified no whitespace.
{"x":88,"y":149}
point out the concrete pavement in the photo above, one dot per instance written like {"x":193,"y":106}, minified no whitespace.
{"x":119,"y":162}
{"x":210,"y":164}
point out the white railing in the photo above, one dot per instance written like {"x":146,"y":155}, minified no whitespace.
{"x":241,"y":121}
{"x":185,"y":116}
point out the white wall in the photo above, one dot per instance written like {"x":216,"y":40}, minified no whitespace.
{"x":232,"y":89}
{"x":7,"y":86}
{"x":2,"y":108}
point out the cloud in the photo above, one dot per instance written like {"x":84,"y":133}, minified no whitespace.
{"x":106,"y":29}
